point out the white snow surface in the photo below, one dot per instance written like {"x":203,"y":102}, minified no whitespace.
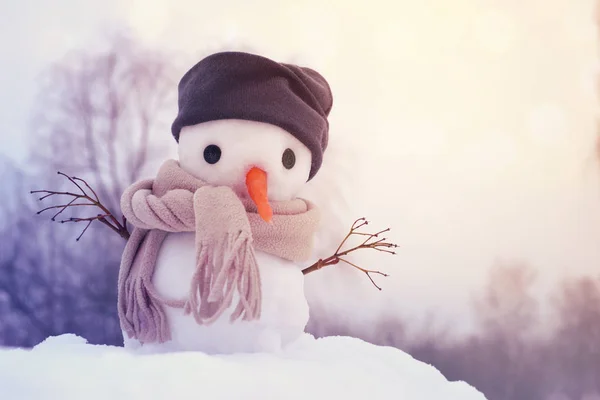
{"x":66,"y":367}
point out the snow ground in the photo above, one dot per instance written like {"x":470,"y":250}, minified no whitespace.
{"x":66,"y":367}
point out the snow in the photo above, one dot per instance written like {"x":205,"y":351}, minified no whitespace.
{"x":66,"y":367}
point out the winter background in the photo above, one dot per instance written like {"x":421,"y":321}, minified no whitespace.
{"x":469,"y":128}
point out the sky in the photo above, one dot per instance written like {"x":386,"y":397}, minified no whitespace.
{"x":472,"y":124}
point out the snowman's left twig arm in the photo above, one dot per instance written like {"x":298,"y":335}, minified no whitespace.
{"x":372,"y":241}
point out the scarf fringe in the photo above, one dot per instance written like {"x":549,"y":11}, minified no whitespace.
{"x":141,"y":309}
{"x":223,"y":267}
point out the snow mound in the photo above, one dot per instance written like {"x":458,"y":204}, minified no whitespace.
{"x":66,"y":367}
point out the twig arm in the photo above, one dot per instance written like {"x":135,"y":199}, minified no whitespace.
{"x":380,"y":245}
{"x":85,"y":200}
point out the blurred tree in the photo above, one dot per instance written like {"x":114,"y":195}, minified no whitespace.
{"x":97,"y":117}
{"x":577,"y":338}
{"x":503,"y":358}
{"x":97,"y":112}
{"x":507,"y":306}
{"x":507,"y":313}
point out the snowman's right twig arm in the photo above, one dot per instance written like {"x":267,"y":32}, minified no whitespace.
{"x":84,"y":199}
{"x":372,"y":241}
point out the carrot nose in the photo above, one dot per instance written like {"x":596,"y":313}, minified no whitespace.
{"x":256,"y":183}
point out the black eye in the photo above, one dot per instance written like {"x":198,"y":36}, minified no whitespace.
{"x":289,"y":159}
{"x":212,"y":154}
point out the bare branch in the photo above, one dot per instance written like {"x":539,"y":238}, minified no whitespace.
{"x":107,"y":218}
{"x":368,"y":272}
{"x":88,"y":186}
{"x":369,"y":243}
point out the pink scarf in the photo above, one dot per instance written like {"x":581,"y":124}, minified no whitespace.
{"x":228,"y":231}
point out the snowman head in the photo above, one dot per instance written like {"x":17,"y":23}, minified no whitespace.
{"x":253,"y":124}
{"x":223,"y":152}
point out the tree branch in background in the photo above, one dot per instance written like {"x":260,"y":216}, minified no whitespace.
{"x":84,"y":199}
{"x":372,"y":241}
{"x":101,"y":115}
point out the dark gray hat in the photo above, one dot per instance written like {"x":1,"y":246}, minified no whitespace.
{"x":237,"y":85}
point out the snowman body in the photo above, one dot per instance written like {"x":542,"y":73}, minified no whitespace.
{"x":241,"y":145}
{"x":284,"y":311}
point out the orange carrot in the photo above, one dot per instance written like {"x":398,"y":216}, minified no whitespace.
{"x":256,"y":183}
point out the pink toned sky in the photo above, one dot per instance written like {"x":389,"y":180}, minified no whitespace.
{"x":483,"y":117}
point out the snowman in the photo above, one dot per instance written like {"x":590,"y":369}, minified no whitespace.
{"x":214,"y":263}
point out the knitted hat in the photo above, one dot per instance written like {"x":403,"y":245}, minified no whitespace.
{"x":236,"y":85}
